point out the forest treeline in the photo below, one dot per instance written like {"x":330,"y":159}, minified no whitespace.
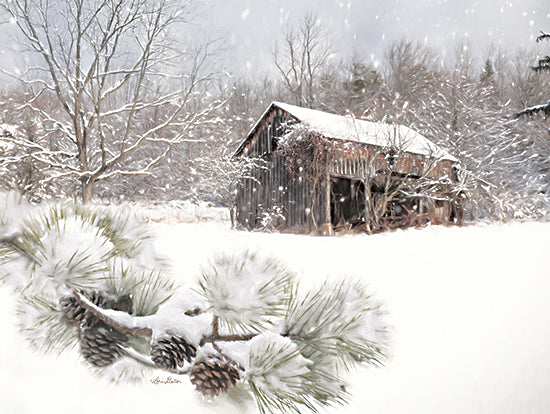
{"x":467,"y":105}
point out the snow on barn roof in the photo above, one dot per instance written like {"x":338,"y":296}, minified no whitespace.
{"x":349,"y":128}
{"x":373,"y":133}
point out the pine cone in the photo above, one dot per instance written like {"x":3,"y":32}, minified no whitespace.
{"x":98,"y":341}
{"x":75,"y":314}
{"x":99,"y":344}
{"x":72,"y":312}
{"x":101,"y":301}
{"x":214,"y":374}
{"x":170,"y":352}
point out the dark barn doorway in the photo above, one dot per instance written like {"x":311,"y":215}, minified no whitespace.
{"x":347,"y":202}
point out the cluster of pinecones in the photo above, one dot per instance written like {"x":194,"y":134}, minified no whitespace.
{"x":98,"y":341}
{"x":211,"y":374}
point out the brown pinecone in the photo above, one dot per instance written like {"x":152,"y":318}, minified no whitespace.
{"x":72,"y":312}
{"x":99,"y":344}
{"x":214,"y":374}
{"x":101,"y":301}
{"x":98,"y":341}
{"x":170,"y":352}
{"x":75,"y":314}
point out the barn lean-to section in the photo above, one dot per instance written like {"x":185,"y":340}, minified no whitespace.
{"x":345,"y":181}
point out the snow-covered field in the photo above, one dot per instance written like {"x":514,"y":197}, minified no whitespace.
{"x":469,"y":307}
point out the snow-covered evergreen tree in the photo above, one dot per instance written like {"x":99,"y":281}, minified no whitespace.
{"x":91,"y":278}
{"x":543,"y":65}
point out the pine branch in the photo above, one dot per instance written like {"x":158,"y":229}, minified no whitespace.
{"x":146,"y":331}
{"x":227,"y":338}
{"x":108,"y":320}
{"x":245,"y":292}
{"x":543,"y":65}
{"x":14,"y":241}
{"x":332,"y":320}
{"x":10,"y":238}
{"x":218,"y":335}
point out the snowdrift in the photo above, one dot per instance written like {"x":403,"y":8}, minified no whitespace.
{"x":469,"y":309}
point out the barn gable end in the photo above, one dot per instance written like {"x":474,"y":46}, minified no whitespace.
{"x":262,"y":138}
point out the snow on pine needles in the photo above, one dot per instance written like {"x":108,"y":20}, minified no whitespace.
{"x":94,"y":281}
{"x":246,"y":291}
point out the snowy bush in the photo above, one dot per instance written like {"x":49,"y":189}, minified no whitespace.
{"x":91,"y":278}
{"x":272,"y":219}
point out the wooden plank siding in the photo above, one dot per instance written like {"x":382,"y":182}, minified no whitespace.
{"x":269,"y":128}
{"x":364,"y":160}
{"x":274,"y":186}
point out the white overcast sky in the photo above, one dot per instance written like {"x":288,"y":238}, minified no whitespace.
{"x":369,"y":26}
{"x":366,"y":27}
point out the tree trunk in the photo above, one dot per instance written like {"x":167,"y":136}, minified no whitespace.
{"x":232,"y":216}
{"x":87,"y":191}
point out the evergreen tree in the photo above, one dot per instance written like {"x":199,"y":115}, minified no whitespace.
{"x":543,"y":65}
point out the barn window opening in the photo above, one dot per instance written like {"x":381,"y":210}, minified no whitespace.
{"x":276,"y":131}
{"x":347,"y":202}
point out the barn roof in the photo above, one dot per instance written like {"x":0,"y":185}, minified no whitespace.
{"x":348,"y":128}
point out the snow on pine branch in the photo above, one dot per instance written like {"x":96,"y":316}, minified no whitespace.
{"x":90,"y":278}
{"x":246,"y":291}
{"x":278,"y":373}
{"x":338,"y":318}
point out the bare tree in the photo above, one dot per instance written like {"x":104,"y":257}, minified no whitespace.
{"x":120,"y":79}
{"x":301,"y":58}
{"x":412,"y":71}
{"x":21,"y":142}
{"x":466,"y":111}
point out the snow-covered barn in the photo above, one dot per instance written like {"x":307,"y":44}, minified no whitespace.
{"x":321,"y":171}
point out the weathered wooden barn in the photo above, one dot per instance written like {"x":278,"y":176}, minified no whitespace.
{"x":321,"y":171}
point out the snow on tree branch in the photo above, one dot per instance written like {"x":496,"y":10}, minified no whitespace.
{"x":543,"y":65}
{"x":108,"y":71}
{"x":534,"y":110}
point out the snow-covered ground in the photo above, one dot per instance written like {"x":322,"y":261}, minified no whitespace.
{"x":469,"y":308}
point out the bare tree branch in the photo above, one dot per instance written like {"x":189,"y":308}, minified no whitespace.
{"x":102,"y":60}
{"x":301,"y":59}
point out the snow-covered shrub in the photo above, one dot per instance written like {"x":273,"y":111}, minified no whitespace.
{"x":272,"y":219}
